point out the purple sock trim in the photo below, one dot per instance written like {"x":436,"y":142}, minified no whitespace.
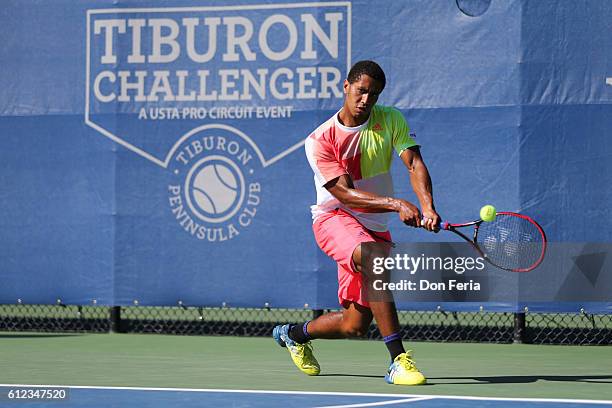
{"x":392,"y":337}
{"x":305,"y":330}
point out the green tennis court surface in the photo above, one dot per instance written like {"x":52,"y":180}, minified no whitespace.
{"x":159,"y":361}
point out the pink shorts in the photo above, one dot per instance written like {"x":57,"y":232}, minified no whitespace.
{"x":338,"y":234}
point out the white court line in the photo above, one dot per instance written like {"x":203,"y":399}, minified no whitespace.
{"x":377,"y":404}
{"x":349,"y":394}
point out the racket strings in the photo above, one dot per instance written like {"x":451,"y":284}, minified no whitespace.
{"x":511,"y":242}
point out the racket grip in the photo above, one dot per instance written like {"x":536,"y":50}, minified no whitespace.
{"x":442,"y":225}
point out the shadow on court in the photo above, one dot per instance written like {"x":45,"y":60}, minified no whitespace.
{"x":380,"y":377}
{"x":351,"y":375}
{"x":523,"y":379}
{"x":507,"y":379}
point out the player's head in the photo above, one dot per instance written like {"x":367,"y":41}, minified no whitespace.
{"x":369,"y":68}
{"x":365,"y":81}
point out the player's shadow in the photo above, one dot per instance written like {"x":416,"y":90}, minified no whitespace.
{"x":378,"y":377}
{"x":524,"y":379}
{"x":351,"y":375}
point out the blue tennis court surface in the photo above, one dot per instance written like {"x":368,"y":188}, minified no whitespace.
{"x":94,"y":397}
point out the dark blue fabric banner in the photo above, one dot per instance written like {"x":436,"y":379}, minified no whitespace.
{"x":154,"y":153}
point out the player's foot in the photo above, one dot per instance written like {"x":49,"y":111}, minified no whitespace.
{"x":301,"y":354}
{"x":403,"y":371}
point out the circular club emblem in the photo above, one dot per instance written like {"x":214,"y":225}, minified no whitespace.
{"x":214,"y":193}
{"x":214,"y":189}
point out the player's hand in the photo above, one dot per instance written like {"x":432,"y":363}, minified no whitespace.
{"x":409,"y":213}
{"x":430,"y":220}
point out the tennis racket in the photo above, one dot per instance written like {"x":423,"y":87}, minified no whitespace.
{"x":513,"y":242}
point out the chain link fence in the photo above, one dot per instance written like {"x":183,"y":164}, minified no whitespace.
{"x":536,"y":328}
{"x":55,"y":318}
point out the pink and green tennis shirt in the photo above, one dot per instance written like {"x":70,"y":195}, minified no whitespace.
{"x":364,"y":153}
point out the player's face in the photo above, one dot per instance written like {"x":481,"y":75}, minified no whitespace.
{"x":360,"y":97}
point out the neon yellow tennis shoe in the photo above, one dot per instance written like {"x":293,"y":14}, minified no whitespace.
{"x":301,"y":354}
{"x":403,"y":371}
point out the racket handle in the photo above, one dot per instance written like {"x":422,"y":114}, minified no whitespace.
{"x":443,"y":224}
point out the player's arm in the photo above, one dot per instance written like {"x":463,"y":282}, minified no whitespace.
{"x":343,"y":189}
{"x":421,"y":184}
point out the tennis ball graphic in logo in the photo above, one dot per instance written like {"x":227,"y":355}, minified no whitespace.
{"x":215,"y":188}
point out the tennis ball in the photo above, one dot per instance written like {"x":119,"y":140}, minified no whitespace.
{"x":488,"y":213}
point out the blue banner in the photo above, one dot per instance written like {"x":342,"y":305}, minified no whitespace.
{"x":153,"y":154}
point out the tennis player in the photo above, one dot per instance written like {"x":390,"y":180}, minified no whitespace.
{"x":350,"y":155}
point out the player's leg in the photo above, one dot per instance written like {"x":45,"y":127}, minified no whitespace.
{"x":338,"y":234}
{"x":402,"y":370}
{"x":353,"y":321}
{"x":384,"y":313}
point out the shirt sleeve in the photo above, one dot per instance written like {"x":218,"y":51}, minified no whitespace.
{"x":401,"y":132}
{"x":323,"y":161}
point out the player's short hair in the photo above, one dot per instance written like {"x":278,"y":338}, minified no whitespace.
{"x":370,"y":68}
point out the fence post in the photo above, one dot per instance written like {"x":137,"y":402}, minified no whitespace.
{"x":115,"y":319}
{"x":519,"y":328}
